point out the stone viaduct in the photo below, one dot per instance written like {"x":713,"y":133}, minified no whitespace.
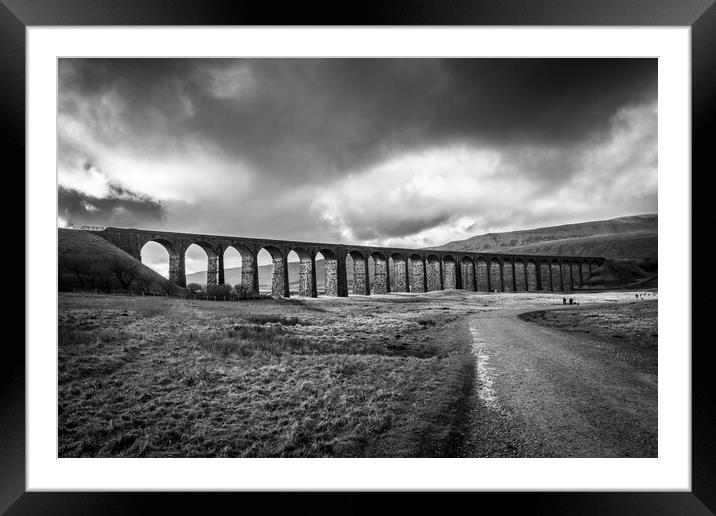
{"x":414,"y":270}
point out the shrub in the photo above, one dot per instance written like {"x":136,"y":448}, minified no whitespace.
{"x":218,"y":290}
{"x":195,"y":288}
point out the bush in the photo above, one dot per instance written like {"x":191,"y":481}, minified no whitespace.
{"x":218,"y":290}
{"x":195,"y":288}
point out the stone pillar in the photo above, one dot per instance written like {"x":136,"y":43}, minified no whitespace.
{"x":467,"y":274}
{"x":418,"y":281}
{"x":341,"y":274}
{"x":433,"y":274}
{"x":520,"y":276}
{"x":361,"y":279}
{"x":212,"y":270}
{"x":508,"y":275}
{"x":566,"y":276}
{"x":249,"y":274}
{"x":576,"y":275}
{"x":400,"y":283}
{"x":482,"y":275}
{"x":496,"y":275}
{"x":331,"y":265}
{"x":221,"y":266}
{"x":314,"y":285}
{"x":556,"y":277}
{"x":381,"y":279}
{"x":545,"y":276}
{"x":279,"y":277}
{"x":306,"y":278}
{"x":177,"y":272}
{"x":533,"y":276}
{"x":448,"y":274}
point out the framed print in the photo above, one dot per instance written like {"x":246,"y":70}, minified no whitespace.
{"x":411,"y":251}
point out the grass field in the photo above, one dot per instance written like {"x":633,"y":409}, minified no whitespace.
{"x":148,"y":377}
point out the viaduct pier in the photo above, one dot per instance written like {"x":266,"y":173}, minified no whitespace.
{"x":412,"y":270}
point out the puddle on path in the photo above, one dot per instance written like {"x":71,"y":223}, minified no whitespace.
{"x":483,"y":381}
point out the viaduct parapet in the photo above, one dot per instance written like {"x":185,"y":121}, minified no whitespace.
{"x":413,"y":270}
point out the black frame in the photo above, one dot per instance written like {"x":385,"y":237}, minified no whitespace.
{"x":700,"y":15}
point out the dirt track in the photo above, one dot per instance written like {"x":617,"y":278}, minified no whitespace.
{"x":543,"y":392}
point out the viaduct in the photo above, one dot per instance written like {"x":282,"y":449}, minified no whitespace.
{"x":414,"y":270}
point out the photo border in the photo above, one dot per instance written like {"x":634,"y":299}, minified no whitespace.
{"x":700,"y":16}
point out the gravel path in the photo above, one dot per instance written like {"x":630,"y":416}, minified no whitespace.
{"x":542,"y":392}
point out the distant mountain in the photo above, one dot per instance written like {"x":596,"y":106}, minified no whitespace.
{"x":630,"y":238}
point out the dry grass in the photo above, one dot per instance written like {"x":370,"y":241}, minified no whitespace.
{"x":150,"y":377}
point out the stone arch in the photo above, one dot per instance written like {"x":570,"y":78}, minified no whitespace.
{"x":418,"y":280}
{"x":566,"y":276}
{"x":449,"y":273}
{"x":482,"y":275}
{"x":495,"y":275}
{"x":249,"y":282}
{"x":545,"y":275}
{"x":361,"y":274}
{"x":434,"y":277}
{"x":467,"y":268}
{"x":212,"y":260}
{"x":531,"y":273}
{"x":175,"y":271}
{"x":576,"y":275}
{"x":399,"y":275}
{"x":508,"y":275}
{"x":520,"y":276}
{"x":381,"y":274}
{"x":279,"y":271}
{"x":556,"y":270}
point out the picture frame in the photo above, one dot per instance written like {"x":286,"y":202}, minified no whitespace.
{"x":17,"y":15}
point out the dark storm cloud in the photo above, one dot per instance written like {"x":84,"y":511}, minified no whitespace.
{"x":121,"y":208}
{"x":298,"y":119}
{"x":375,"y":150}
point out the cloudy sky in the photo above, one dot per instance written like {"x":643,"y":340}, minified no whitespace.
{"x":410,"y":152}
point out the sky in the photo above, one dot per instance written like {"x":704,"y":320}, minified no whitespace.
{"x":396,"y":152}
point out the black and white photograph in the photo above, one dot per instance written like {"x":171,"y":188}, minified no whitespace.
{"x":357,"y":257}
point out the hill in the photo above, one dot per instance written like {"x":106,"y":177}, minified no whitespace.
{"x":633,"y":238}
{"x":88,"y":261}
{"x":630,"y":244}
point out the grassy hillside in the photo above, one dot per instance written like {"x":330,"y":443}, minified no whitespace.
{"x":87,"y":261}
{"x":621,"y":238}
